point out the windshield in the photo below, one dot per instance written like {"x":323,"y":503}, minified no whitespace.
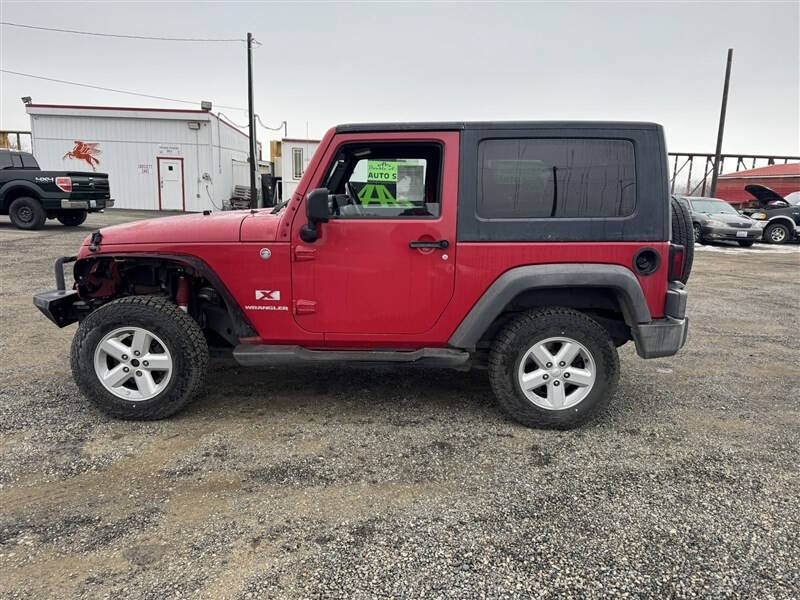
{"x":711,"y":207}
{"x":793,"y":198}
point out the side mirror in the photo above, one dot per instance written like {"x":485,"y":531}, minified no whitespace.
{"x":317,"y":212}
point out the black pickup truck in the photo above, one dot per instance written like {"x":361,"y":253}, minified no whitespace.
{"x":29,"y":195}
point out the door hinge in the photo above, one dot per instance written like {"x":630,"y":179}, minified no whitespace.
{"x":305,"y":307}
{"x":302,"y":253}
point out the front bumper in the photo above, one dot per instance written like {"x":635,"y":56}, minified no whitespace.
{"x":59,"y":305}
{"x":664,"y":337}
{"x":731,"y":233}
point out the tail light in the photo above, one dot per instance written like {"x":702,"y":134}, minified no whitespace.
{"x":64,"y":184}
{"x":677,"y":258}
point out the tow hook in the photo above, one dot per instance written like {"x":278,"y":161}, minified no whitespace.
{"x":97,"y":237}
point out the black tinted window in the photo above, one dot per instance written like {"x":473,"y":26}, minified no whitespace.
{"x":544,"y":178}
{"x":16,"y":161}
{"x":29,"y":162}
{"x":5,"y":160}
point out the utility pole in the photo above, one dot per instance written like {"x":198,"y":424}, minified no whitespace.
{"x":721,"y":123}
{"x":252,"y":123}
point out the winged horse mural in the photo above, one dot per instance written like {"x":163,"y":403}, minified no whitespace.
{"x":85,"y":152}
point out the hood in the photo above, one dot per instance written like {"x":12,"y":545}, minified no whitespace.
{"x":762,"y":193}
{"x":199,"y":227}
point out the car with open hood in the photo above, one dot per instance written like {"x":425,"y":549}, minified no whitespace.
{"x":780,"y":215}
{"x":714,"y":220}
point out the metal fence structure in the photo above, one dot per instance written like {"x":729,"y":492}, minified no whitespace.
{"x":701,"y":167}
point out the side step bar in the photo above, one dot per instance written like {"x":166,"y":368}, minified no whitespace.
{"x":261,"y":355}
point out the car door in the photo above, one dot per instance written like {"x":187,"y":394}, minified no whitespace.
{"x":384,"y":264}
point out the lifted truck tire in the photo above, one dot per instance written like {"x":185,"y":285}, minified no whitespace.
{"x":106,"y":344}
{"x":589,"y":356}
{"x":72,"y":218}
{"x":27,"y":213}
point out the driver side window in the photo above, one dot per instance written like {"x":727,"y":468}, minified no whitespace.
{"x":385,"y":181}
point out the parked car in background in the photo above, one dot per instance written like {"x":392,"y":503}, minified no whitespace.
{"x":780,"y":215}
{"x":716,"y":220}
{"x":30,"y":196}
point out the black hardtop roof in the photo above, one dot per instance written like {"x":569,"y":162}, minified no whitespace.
{"x":459,"y":125}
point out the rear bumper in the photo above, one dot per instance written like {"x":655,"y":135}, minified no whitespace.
{"x":664,"y":337}
{"x":91,"y":205}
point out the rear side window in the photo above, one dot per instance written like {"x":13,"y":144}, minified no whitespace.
{"x":5,"y":160}
{"x":28,"y":162}
{"x":16,"y":161}
{"x":533,"y":178}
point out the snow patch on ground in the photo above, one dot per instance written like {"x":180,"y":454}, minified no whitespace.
{"x":757,"y":249}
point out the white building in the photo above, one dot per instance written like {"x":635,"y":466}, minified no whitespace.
{"x":290,"y":158}
{"x":156,"y":159}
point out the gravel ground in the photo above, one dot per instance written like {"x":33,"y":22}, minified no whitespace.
{"x":320,"y":483}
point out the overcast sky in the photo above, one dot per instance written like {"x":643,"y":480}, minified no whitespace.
{"x":324,"y":64}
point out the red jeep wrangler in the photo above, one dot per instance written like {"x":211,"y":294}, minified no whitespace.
{"x":533,"y":249}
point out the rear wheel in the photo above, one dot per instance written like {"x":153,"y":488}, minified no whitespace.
{"x":72,"y":218}
{"x":777,"y":233}
{"x":139,"y":358}
{"x":27,"y":213}
{"x":746,"y":243}
{"x":553,"y":368}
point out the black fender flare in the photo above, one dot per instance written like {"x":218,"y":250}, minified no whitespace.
{"x":519,"y":279}
{"x":16,"y":184}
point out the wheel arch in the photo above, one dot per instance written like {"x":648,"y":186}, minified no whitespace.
{"x":17,"y":189}
{"x":783,"y":220}
{"x":240,"y":325}
{"x":580,"y":286}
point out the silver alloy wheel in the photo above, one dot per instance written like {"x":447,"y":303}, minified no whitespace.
{"x":557,"y":373}
{"x":133,"y":363}
{"x":777,"y":234}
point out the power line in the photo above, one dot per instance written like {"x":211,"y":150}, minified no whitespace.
{"x":118,"y":35}
{"x":105,"y":89}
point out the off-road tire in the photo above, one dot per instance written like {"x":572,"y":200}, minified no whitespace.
{"x":520,"y":334}
{"x":72,"y":218}
{"x":746,"y":243}
{"x":27,"y":213}
{"x":683,"y":235}
{"x":178,"y":331}
{"x":787,"y":235}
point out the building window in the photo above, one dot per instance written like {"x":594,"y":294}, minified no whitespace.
{"x":297,"y":163}
{"x":552,"y":178}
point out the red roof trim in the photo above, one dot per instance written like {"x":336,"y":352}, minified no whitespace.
{"x":131,"y":108}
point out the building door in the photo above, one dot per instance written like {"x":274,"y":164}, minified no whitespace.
{"x":170,"y":181}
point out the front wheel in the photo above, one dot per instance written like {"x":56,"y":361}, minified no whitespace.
{"x":698,"y":234}
{"x":553,"y":368}
{"x":777,"y":233}
{"x":139,"y":357}
{"x":72,"y":218}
